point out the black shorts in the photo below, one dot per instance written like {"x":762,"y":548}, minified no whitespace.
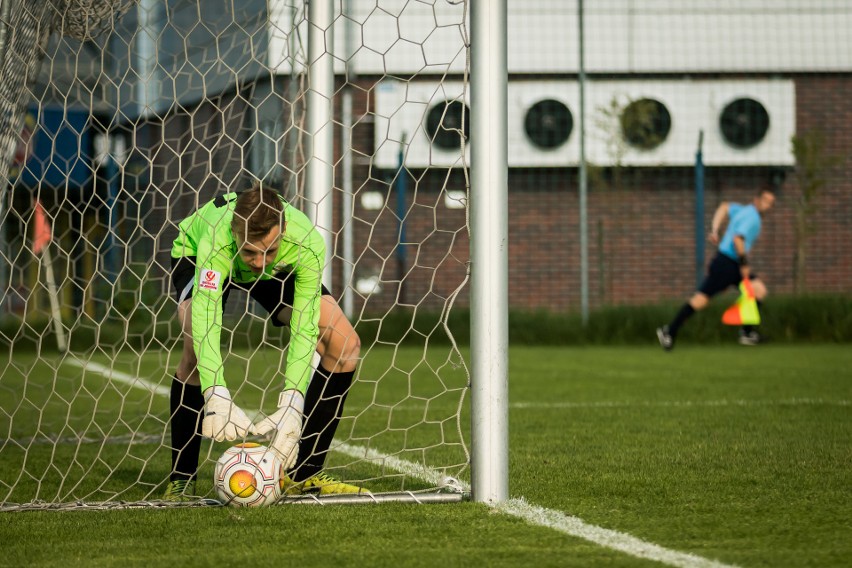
{"x":274,"y":295}
{"x":722,"y":273}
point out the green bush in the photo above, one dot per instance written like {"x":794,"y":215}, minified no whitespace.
{"x":814,"y":318}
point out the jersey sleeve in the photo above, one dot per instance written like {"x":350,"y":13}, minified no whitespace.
{"x":213,"y":267}
{"x":304,"y":320}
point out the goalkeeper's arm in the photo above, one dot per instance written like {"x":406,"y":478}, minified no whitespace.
{"x":223,"y":420}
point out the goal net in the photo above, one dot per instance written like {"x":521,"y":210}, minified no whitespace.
{"x":122,"y":117}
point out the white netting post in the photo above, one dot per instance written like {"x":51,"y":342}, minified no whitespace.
{"x":320,"y":124}
{"x":489,"y":316}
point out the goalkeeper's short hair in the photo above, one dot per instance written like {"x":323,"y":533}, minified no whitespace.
{"x":257,"y":211}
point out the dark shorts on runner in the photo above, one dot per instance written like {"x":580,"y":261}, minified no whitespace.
{"x":722,"y":273}
{"x":274,"y":295}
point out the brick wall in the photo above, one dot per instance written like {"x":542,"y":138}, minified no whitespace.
{"x":641,"y":230}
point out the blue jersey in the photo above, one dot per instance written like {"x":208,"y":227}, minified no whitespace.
{"x":744,"y":221}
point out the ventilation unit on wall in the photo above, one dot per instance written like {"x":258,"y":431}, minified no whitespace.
{"x":753,"y":123}
{"x":432,"y":117}
{"x":543,"y":123}
{"x":645,"y":123}
{"x":426,"y":121}
{"x":548,"y":124}
{"x":628,"y":123}
{"x":744,"y":122}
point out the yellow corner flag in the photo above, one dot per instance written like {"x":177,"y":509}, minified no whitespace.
{"x":744,"y":311}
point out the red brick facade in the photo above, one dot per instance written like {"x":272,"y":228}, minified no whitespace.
{"x":641,"y":235}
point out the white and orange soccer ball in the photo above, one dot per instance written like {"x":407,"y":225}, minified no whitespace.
{"x":248,"y":475}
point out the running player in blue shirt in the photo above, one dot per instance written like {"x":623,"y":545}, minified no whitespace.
{"x":730,"y":265}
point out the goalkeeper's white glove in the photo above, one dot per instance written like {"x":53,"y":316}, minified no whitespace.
{"x":223,"y":420}
{"x":287,"y":423}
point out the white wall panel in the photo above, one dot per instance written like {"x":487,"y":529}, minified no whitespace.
{"x":694,"y":106}
{"x":622,"y":36}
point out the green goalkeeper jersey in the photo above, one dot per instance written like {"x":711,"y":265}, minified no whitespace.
{"x":206,"y":235}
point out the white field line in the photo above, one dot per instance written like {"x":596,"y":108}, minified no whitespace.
{"x":556,"y":520}
{"x":118,"y":376}
{"x":604,"y":537}
{"x":682,"y":403}
{"x":517,"y":507}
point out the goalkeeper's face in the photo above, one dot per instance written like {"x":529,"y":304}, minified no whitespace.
{"x":258,"y":254}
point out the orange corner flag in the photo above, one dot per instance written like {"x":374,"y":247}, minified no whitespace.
{"x":744,"y":311}
{"x":41,"y":229}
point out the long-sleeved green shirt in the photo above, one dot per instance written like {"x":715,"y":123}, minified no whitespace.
{"x":207,"y":236}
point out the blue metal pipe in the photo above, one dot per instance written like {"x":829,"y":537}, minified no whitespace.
{"x":699,"y":212}
{"x":401,"y":187}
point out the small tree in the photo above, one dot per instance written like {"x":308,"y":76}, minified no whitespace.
{"x":813,"y":166}
{"x":607,"y":122}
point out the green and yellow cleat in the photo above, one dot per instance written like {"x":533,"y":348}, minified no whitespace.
{"x":180,"y":490}
{"x":321,"y":484}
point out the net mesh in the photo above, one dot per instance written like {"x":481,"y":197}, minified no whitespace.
{"x":120,"y":118}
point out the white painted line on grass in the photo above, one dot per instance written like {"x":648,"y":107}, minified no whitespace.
{"x":604,"y":537}
{"x":540,"y":516}
{"x":517,"y":507}
{"x":681,"y":403}
{"x":429,"y":475}
{"x":119,"y":376}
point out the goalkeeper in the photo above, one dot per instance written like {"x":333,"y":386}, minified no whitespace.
{"x":259,"y":243}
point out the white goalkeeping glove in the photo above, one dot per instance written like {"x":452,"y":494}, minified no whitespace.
{"x":223,"y":420}
{"x":287,"y":423}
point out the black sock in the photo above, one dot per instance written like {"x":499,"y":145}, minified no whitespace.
{"x":685,"y":311}
{"x":187,"y":405}
{"x":323,"y":408}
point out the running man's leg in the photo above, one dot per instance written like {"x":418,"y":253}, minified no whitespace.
{"x":722,"y":273}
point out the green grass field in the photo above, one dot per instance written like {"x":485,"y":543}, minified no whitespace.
{"x":732,"y":455}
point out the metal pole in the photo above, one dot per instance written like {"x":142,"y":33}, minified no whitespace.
{"x":489,"y":243}
{"x":699,"y":212}
{"x":150,"y":23}
{"x":584,"y":189}
{"x":401,"y":186}
{"x":111,"y":266}
{"x":347,"y":211}
{"x":53,"y":296}
{"x":5,"y":17}
{"x":320,"y":127}
{"x":295,"y":108}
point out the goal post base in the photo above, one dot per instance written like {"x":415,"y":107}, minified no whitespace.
{"x":363,"y":498}
{"x":351,"y":499}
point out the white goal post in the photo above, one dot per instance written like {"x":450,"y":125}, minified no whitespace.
{"x":144,"y":110}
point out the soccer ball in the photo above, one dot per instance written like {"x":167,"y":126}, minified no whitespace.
{"x":248,"y":475}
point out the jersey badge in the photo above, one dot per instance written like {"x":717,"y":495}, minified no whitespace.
{"x":209,"y":279}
